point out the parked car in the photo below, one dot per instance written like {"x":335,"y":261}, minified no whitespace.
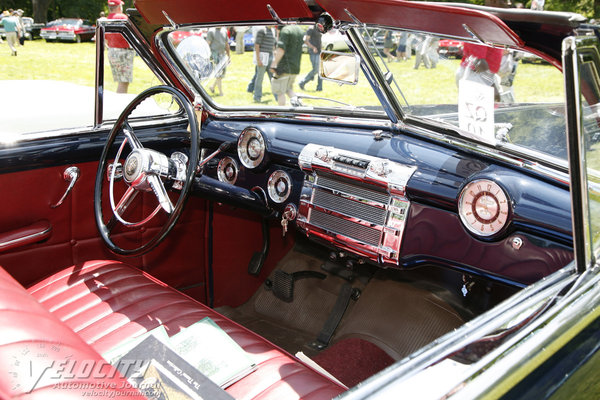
{"x":69,"y":30}
{"x":450,"y":48}
{"x":403,"y":234}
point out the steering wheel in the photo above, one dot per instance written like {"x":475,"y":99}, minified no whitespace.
{"x":145,"y":170}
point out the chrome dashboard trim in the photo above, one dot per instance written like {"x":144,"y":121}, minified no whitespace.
{"x":350,"y":196}
{"x":354,"y":201}
{"x":349,"y":218}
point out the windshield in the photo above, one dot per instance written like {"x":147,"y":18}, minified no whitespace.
{"x":506,"y":98}
{"x":233,"y":67}
{"x":499,"y":96}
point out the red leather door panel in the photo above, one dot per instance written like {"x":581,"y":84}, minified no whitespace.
{"x":27,"y":197}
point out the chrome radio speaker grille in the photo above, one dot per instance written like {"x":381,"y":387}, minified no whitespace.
{"x":355,"y":201}
{"x":368,"y":193}
{"x":349,"y":203}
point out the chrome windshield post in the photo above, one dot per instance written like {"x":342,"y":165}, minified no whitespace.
{"x":99,"y":98}
{"x":581,"y":59}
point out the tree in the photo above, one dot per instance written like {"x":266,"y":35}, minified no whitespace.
{"x":40,"y":10}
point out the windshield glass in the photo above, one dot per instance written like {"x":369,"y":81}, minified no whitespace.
{"x":499,"y":96}
{"x":233,"y":66}
{"x":506,"y":98}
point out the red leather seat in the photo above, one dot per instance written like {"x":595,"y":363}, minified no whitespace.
{"x":106,"y":302}
{"x":35,"y":348}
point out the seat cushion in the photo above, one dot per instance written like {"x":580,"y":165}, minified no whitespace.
{"x":106,"y":303}
{"x":39,"y":353}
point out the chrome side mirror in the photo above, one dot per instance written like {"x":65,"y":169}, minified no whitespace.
{"x":339,"y":67}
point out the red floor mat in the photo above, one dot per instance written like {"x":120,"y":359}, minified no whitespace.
{"x":353,"y":360}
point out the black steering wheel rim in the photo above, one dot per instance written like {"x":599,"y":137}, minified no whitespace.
{"x":194,"y":155}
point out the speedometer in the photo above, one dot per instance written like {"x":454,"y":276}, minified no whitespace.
{"x":251,"y":147}
{"x":483,"y":207}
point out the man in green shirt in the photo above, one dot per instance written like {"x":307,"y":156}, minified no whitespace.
{"x":286,"y":63}
{"x":13,"y":30}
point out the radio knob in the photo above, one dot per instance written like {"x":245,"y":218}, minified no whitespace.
{"x":379,"y":168}
{"x":322,"y":154}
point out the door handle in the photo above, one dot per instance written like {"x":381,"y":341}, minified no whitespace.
{"x":70,"y":175}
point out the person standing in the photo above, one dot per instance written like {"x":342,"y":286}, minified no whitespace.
{"x":240,"y":31}
{"x":22,"y":25}
{"x":219,"y":49}
{"x":401,"y":51}
{"x":423,"y":52}
{"x":264,"y":44}
{"x":12,"y":27}
{"x":313,"y":44}
{"x":388,"y":46}
{"x":120,"y":54}
{"x":286,"y":63}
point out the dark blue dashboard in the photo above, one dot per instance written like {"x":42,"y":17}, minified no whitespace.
{"x":434,"y":234}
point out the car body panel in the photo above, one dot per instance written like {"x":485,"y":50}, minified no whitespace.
{"x":437,"y":19}
{"x":182,"y":11}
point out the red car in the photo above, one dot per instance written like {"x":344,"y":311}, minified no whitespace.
{"x":69,"y":29}
{"x":450,"y":48}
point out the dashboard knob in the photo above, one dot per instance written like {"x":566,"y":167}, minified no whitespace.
{"x":378,"y":168}
{"x":322,"y":154}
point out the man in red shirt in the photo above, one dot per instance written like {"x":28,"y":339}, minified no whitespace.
{"x":120,"y":54}
{"x":479,"y":63}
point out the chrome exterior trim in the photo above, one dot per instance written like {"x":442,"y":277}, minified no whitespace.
{"x":574,"y":50}
{"x":99,"y":78}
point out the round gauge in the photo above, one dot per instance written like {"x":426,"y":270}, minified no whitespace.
{"x":251,"y":147}
{"x":483,"y":207}
{"x":227,"y":170}
{"x":279,"y":186}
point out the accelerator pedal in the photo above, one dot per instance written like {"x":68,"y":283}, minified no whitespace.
{"x":282,"y":284}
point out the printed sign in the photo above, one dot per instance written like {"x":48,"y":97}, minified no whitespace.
{"x":476,"y":110}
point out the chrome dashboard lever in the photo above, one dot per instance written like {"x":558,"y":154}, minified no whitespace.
{"x":223,"y":147}
{"x":70,"y":175}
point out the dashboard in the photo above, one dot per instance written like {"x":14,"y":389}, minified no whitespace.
{"x":399,"y":201}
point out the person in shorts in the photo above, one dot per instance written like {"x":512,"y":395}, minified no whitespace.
{"x":219,"y":49}
{"x":120,"y":54}
{"x":286,"y":63}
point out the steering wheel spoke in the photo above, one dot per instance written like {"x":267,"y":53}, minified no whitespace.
{"x":130,"y":136}
{"x":143,"y":171}
{"x":125,"y":201}
{"x":161,"y":193}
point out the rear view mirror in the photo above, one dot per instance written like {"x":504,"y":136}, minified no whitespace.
{"x":339,"y":67}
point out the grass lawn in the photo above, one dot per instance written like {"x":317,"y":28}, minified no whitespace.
{"x":75,"y":63}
